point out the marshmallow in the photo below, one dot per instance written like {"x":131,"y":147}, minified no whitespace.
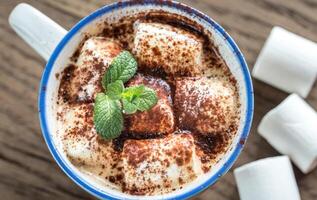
{"x":267,"y":179}
{"x":208,"y":105}
{"x":94,"y":59}
{"x":160,"y":164}
{"x":160,"y":118}
{"x":172,"y":49}
{"x":291,"y":129}
{"x":288,"y":62}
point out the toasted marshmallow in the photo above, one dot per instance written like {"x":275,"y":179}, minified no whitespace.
{"x":208,"y":105}
{"x":267,"y":179}
{"x":172,"y":49}
{"x":291,"y":129}
{"x":288,"y":62}
{"x":157,"y":165}
{"x":94,"y":58}
{"x":160,"y":118}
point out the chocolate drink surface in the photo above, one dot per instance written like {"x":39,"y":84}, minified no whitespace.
{"x":178,"y":140}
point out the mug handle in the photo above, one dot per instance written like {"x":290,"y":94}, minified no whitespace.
{"x":36,"y":29}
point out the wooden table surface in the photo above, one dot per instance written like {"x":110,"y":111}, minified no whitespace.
{"x":27,"y":169}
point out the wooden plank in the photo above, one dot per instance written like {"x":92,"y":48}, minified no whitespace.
{"x":27,"y":170}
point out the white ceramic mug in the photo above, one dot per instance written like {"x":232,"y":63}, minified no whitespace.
{"x":56,"y":45}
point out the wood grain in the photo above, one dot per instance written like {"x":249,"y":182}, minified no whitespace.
{"x":27,"y":170}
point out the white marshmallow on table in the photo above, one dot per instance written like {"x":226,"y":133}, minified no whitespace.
{"x":291,"y":129}
{"x":267,"y":179}
{"x":288,"y":62}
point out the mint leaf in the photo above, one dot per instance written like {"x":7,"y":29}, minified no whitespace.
{"x":123,"y":67}
{"x":138,"y":98}
{"x":128,"y":107}
{"x":131,"y":93}
{"x":108,"y":118}
{"x":146,"y":100}
{"x":115,"y":89}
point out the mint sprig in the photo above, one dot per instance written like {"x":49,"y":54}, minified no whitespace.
{"x":110,"y":106}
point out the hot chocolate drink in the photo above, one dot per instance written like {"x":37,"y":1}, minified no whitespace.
{"x":182,"y":136}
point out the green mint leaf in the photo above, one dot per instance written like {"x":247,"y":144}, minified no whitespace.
{"x":138,"y":98}
{"x":115,"y":89}
{"x":123,"y":67}
{"x":146,"y":100}
{"x":108,"y":118}
{"x":128,"y":107}
{"x":131,"y":93}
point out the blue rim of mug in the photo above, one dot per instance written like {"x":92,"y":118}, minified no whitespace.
{"x":119,"y":5}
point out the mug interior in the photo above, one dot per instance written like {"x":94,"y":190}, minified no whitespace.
{"x":111,"y":13}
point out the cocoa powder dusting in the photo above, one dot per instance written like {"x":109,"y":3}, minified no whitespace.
{"x":64,"y":87}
